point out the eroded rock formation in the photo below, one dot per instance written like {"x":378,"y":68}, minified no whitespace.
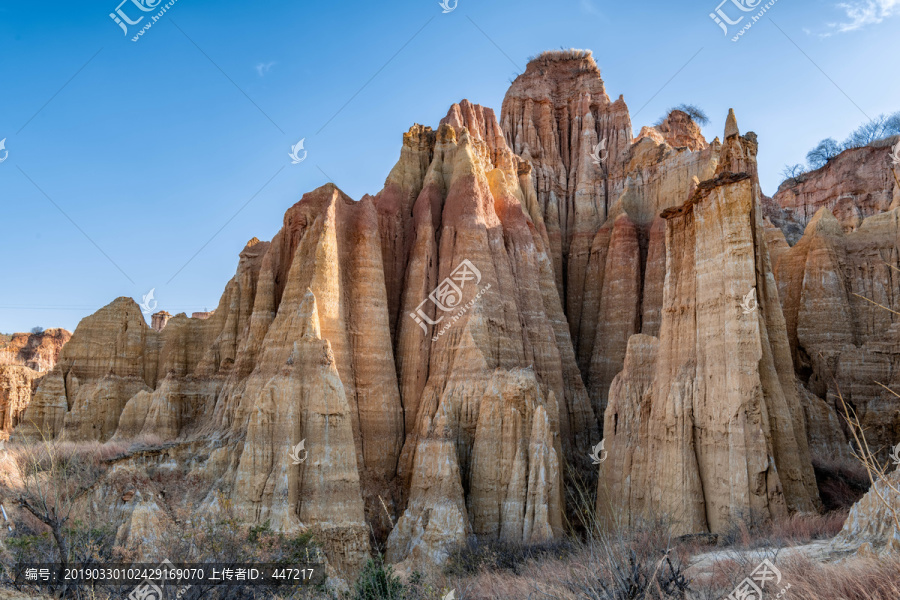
{"x":423,"y":365}
{"x":555,"y":116}
{"x":17,"y":384}
{"x":24,"y":359}
{"x":838,"y":290}
{"x":706,"y":422}
{"x":873,"y":525}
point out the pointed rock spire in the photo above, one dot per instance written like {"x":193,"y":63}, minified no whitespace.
{"x":731,"y":126}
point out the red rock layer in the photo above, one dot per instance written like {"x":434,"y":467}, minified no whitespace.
{"x":485,"y":388}
{"x":37,"y":351}
{"x":17,"y":384}
{"x":856,"y":184}
{"x":554,"y":116}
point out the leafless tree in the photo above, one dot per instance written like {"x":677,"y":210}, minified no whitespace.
{"x":819,"y":156}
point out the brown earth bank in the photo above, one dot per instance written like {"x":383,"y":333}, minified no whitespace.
{"x":436,"y":365}
{"x":24,"y":359}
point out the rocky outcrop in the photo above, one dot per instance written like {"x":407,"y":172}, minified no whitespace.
{"x":873,"y":525}
{"x":303,"y":407}
{"x":158,"y":320}
{"x":713,"y":405}
{"x":112,"y":356}
{"x":856,"y":184}
{"x":24,"y":359}
{"x":497,"y":401}
{"x":679,"y":130}
{"x":37,"y":351}
{"x":555,"y":115}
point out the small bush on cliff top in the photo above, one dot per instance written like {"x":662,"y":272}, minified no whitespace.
{"x":697,"y":114}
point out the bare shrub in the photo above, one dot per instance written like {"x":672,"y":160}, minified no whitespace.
{"x":641,"y":564}
{"x":884,"y":489}
{"x":878,"y":128}
{"x":643,"y":561}
{"x":696,"y":114}
{"x":53,"y":477}
{"x":793,"y":174}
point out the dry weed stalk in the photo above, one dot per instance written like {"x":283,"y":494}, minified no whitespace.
{"x":876,"y":471}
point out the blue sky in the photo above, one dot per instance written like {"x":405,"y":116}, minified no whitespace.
{"x":148,"y":165}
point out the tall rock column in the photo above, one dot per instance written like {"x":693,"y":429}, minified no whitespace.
{"x":297,"y":467}
{"x":491,"y":390}
{"x":722,"y":423}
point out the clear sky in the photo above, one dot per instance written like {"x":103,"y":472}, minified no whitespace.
{"x":146,"y":165}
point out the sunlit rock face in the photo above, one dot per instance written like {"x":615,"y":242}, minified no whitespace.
{"x":705,"y":421}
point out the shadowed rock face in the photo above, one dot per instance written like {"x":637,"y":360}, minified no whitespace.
{"x":445,"y":349}
{"x":838,"y":289}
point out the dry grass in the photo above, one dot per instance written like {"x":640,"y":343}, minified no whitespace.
{"x":644,"y":563}
{"x":561,"y":54}
{"x":95,"y":452}
{"x":641,"y":563}
{"x":857,"y":579}
{"x":794,"y":530}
